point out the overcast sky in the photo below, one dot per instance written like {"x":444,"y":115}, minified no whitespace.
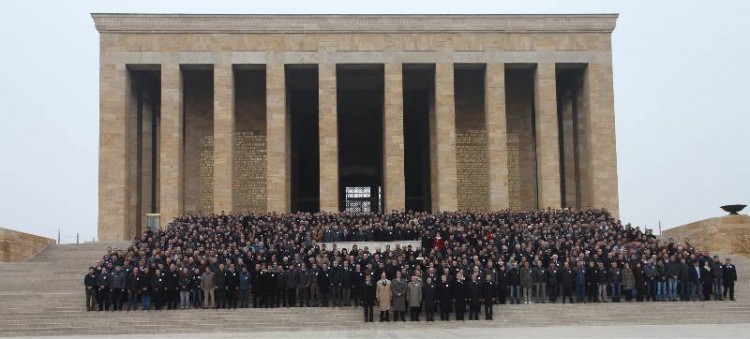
{"x":681,"y":80}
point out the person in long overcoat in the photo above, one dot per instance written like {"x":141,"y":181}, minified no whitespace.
{"x":414,"y":297}
{"x":459,"y":295}
{"x":383,"y":295}
{"x":429,"y":293}
{"x":445,"y":293}
{"x":398,"y":290}
{"x":368,"y":298}
{"x":628,"y":282}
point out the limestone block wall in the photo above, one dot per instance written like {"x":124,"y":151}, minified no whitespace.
{"x":471,"y":141}
{"x":521,"y":141}
{"x":249,"y":177}
{"x":19,"y":246}
{"x":728,"y":234}
{"x":199,"y":160}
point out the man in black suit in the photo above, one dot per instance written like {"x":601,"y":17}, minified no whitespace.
{"x":730,"y":276}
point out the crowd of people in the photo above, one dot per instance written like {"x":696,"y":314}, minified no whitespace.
{"x":464,"y":261}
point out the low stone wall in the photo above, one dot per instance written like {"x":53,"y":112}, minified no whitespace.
{"x":18,"y":246}
{"x":729,"y":234}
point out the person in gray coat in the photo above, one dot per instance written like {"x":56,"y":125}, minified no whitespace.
{"x":398,"y":290}
{"x":628,"y":283}
{"x":414,"y":296}
{"x":117,"y":288}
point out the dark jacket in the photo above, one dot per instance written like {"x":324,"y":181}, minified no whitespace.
{"x":89,"y":281}
{"x":474,"y":292}
{"x":232,"y":280}
{"x":459,"y":294}
{"x":730,"y":273}
{"x":566,"y":278}
{"x":445,"y":294}
{"x":245,"y":281}
{"x":172,"y":282}
{"x":368,"y":294}
{"x":220,"y":278}
{"x":133,"y":282}
{"x":489,"y":292}
{"x":428,"y":295}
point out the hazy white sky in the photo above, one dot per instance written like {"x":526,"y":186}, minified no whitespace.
{"x":681,"y":79}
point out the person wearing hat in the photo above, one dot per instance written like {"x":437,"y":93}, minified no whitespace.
{"x":383,"y":295}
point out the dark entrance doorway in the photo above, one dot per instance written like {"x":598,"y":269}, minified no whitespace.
{"x":419,"y":102}
{"x":302,"y":98}
{"x":360,"y":131}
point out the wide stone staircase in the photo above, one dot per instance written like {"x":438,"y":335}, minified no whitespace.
{"x":45,"y":296}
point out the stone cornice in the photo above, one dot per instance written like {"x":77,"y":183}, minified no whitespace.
{"x":406,"y":23}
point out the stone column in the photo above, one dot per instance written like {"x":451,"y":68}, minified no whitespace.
{"x":599,"y":166}
{"x":497,"y":137}
{"x":547,"y":143}
{"x":445,"y":139}
{"x":223,"y":136}
{"x":393,"y":133}
{"x":114,"y":110}
{"x":329,"y":147}
{"x":277,"y":156}
{"x":171,"y":151}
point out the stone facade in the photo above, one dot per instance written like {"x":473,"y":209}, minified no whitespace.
{"x":223,"y":120}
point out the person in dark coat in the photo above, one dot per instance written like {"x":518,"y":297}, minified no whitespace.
{"x":337,"y":284}
{"x":502,"y":284}
{"x":566,"y":282}
{"x":324,"y":283}
{"x":514,"y":280}
{"x":220,"y":278}
{"x":459,"y":295}
{"x":429,"y":297}
{"x":696,"y":279}
{"x":641,"y":282}
{"x":102,"y":292}
{"x":89,"y":283}
{"x":367,"y":293}
{"x":553,"y":282}
{"x":157,"y":286}
{"x":244,"y":288}
{"x":474,"y":294}
{"x":144,"y":288}
{"x":707,"y":280}
{"x":730,"y":276}
{"x":172,"y":287}
{"x":592,"y":282}
{"x":683,"y":280}
{"x":196,"y":294}
{"x":256,"y":286}
{"x":233,"y":286}
{"x":489,"y":291}
{"x":445,"y":298}
{"x":356,"y":279}
{"x":132,"y":284}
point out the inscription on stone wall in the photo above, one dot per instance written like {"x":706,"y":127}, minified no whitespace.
{"x":249,"y":182}
{"x":471,"y":162}
{"x":514,"y":172}
{"x":207,"y":173}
